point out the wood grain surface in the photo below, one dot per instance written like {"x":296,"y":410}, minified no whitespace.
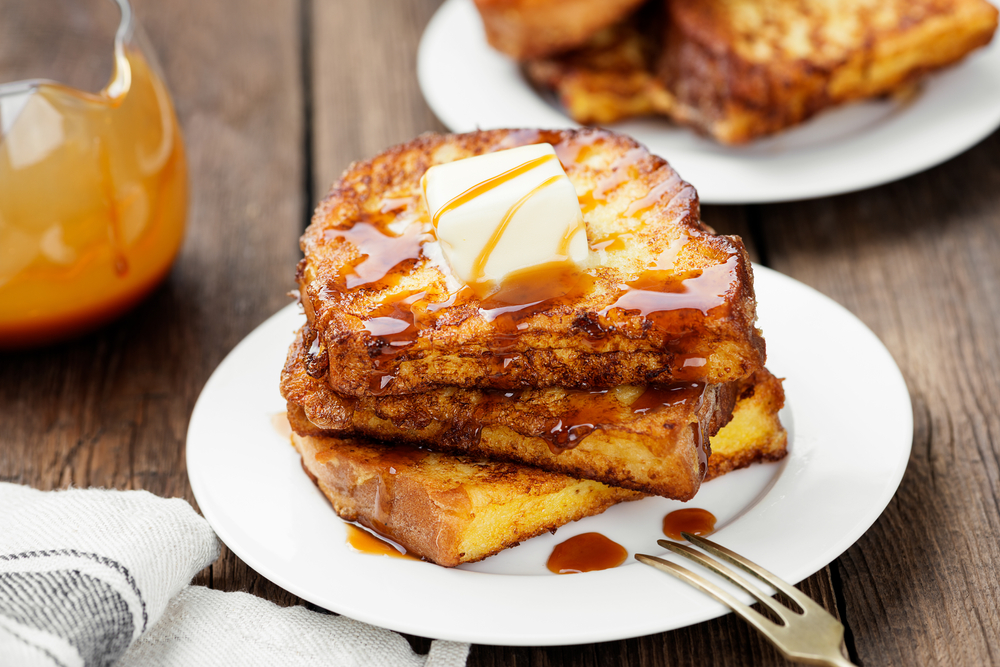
{"x":277,"y":97}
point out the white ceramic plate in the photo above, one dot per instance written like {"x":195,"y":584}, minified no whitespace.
{"x":846,"y":460}
{"x":469,"y":85}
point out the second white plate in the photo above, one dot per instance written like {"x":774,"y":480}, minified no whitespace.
{"x":845,"y":461}
{"x":471,"y":86}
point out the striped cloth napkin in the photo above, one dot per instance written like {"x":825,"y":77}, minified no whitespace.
{"x":99,"y":578}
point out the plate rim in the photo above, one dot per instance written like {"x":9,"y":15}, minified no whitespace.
{"x":628,"y":578}
{"x":877,"y":164}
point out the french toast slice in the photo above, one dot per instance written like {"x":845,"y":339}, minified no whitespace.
{"x":455,"y":509}
{"x":446,"y":509}
{"x":612,"y":76}
{"x":650,"y":439}
{"x":754,"y":434}
{"x":666,"y":299}
{"x":742,"y":69}
{"x":533,"y":28}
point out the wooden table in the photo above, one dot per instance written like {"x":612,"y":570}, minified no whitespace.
{"x":276,"y":97}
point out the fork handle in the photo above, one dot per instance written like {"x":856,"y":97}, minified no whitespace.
{"x":839,"y":660}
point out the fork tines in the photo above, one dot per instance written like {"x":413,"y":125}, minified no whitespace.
{"x":810,"y":636}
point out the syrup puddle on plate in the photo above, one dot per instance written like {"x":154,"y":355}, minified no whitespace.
{"x":586,"y":553}
{"x":693,"y":520}
{"x":362,"y":541}
{"x":637,"y":525}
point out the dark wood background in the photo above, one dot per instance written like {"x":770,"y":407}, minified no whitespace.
{"x":276,"y":97}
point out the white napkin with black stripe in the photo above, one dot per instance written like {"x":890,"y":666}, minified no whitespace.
{"x":95,"y":578}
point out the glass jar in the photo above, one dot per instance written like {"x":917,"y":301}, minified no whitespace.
{"x":93,"y":194}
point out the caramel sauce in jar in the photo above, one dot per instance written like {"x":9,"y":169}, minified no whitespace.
{"x":586,"y":553}
{"x":93,"y":199}
{"x":693,"y":520}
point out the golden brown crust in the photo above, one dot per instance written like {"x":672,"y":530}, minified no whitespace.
{"x":635,"y":207}
{"x":447,"y":509}
{"x":754,"y":434}
{"x":533,"y":28}
{"x":453,"y":509}
{"x":613,"y":76}
{"x":648,"y":439}
{"x":742,"y":69}
{"x":655,"y":453}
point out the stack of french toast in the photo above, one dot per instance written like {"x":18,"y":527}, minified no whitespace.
{"x":458,"y":420}
{"x":735,"y":70}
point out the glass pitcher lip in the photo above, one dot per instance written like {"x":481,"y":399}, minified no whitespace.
{"x":121,"y":77}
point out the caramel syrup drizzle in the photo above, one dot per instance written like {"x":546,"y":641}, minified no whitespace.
{"x":653,"y":196}
{"x":378,"y":251}
{"x":363,"y":541}
{"x":589,"y":410}
{"x":657,"y":396}
{"x":567,"y":238}
{"x":622,"y":170}
{"x":391,"y":462}
{"x":653,"y":295}
{"x":479,"y":266}
{"x":487,"y":185}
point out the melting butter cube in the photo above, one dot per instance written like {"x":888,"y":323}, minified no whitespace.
{"x":505,"y":212}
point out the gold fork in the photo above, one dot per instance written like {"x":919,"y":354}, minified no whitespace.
{"x":813,"y":637}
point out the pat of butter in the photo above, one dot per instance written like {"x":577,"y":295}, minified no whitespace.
{"x":504,"y":212}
